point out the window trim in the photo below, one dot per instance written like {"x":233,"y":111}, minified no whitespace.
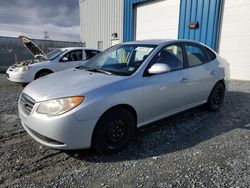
{"x":146,"y":74}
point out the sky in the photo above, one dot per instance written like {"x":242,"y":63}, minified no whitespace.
{"x":60,"y":18}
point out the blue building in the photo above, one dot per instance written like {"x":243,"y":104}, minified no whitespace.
{"x":221,"y":24}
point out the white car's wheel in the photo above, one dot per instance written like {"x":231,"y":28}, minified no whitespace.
{"x":42,"y":73}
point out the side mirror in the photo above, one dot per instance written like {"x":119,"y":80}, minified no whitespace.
{"x":159,"y":68}
{"x":64,"y":59}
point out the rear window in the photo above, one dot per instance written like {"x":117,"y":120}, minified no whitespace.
{"x":196,"y":54}
{"x":91,"y":53}
{"x":210,"y":54}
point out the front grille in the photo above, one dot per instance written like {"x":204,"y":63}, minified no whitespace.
{"x":26,"y":103}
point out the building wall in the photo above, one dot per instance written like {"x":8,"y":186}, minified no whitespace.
{"x":223,"y":25}
{"x":206,"y":12}
{"x":128,"y":30}
{"x":235,"y":37}
{"x":99,"y":19}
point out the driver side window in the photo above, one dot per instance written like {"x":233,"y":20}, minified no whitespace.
{"x":172,"y":55}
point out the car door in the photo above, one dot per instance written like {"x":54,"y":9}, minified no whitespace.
{"x":165,"y":93}
{"x":71,"y":59}
{"x":200,"y":75}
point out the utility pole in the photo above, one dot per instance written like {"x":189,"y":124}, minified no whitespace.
{"x":46,"y":37}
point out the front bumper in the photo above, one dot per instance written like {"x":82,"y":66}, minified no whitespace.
{"x":19,"y":77}
{"x":64,"y":132}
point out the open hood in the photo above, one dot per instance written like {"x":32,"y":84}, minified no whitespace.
{"x":32,"y":47}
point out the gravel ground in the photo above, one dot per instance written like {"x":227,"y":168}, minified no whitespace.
{"x":195,"y":148}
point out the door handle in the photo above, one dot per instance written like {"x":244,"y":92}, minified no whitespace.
{"x":212,"y":73}
{"x":184,"y":80}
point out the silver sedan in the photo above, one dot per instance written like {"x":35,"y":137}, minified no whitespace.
{"x":101,"y":103}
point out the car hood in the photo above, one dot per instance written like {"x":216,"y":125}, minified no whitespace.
{"x":32,"y":47}
{"x":72,"y":82}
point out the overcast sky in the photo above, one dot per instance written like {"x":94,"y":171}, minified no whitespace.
{"x":60,"y":18}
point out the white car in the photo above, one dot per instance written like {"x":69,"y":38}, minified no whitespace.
{"x":43,"y":64}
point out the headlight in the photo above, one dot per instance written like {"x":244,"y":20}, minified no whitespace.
{"x":22,"y":68}
{"x":59,"y":106}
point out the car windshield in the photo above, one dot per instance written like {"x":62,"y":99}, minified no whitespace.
{"x":54,"y":54}
{"x":121,"y":59}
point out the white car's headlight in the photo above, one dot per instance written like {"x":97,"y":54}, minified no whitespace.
{"x":22,"y":68}
{"x":59,"y":106}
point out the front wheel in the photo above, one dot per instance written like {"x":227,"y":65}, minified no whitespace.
{"x":114,"y":131}
{"x":216,"y":97}
{"x":42,"y":73}
{"x":24,"y":84}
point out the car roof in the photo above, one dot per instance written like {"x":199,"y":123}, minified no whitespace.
{"x":160,"y":41}
{"x":151,"y":41}
{"x":77,"y":48}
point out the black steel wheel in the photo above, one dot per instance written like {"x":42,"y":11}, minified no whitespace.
{"x":113,"y":131}
{"x":216,"y":97}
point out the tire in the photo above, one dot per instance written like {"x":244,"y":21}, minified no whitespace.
{"x":216,"y":97}
{"x":113,"y":131}
{"x":42,"y":74}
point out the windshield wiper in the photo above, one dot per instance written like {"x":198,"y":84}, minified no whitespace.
{"x":98,"y":70}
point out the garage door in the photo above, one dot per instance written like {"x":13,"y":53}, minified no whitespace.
{"x":235,"y":37}
{"x":157,"y":20}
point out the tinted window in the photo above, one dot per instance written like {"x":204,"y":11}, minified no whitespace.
{"x":75,"y":55}
{"x":196,"y":55}
{"x":91,"y":53}
{"x":211,"y":54}
{"x":171,"y":55}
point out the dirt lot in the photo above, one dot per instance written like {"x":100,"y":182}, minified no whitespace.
{"x":192,"y":149}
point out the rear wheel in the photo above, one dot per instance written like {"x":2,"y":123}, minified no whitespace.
{"x":216,"y":97}
{"x":114,"y":131}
